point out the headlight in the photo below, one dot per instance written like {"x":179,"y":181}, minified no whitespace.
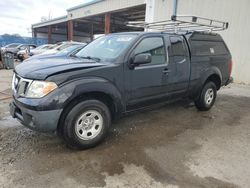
{"x":39,"y":89}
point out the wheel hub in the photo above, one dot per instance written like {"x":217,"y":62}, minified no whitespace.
{"x":89,"y":125}
{"x":209,"y":96}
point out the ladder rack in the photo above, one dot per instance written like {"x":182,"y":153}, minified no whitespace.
{"x":183,"y":24}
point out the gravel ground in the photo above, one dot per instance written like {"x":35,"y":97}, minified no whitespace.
{"x":174,"y":146}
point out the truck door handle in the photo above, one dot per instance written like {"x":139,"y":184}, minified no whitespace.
{"x":182,"y":61}
{"x":166,"y":71}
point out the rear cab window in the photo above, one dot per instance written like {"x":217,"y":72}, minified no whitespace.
{"x":179,"y":50}
{"x":178,"y":46}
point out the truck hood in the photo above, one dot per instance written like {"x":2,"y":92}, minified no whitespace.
{"x":41,"y":69}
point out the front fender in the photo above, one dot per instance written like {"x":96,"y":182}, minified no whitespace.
{"x":79,"y":87}
{"x":65,"y":93}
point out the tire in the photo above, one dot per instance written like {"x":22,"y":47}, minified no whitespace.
{"x":207,"y":97}
{"x":86,"y":124}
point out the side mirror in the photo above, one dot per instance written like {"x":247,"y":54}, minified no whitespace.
{"x":142,"y":59}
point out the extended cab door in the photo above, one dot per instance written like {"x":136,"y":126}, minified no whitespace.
{"x":180,"y":65}
{"x":147,"y":82}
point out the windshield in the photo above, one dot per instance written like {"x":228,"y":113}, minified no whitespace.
{"x":65,"y":45}
{"x":45,"y":46}
{"x":68,"y":50}
{"x":23,"y":47}
{"x":107,"y":48}
{"x":51,"y":46}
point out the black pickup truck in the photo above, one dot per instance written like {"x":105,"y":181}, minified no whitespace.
{"x":81,"y":95}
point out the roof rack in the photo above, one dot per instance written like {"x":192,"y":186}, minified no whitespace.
{"x":183,"y":24}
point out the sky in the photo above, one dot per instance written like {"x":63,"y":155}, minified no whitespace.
{"x":16,"y":16}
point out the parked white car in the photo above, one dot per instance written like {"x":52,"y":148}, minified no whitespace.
{"x":59,"y":46}
{"x":41,"y":49}
{"x":29,"y":50}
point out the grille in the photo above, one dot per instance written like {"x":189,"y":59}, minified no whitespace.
{"x":20,"y":85}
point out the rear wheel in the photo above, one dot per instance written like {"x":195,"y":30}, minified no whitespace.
{"x":86,"y":124}
{"x":207,"y":97}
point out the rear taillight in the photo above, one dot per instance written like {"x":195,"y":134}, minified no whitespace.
{"x":230,"y":67}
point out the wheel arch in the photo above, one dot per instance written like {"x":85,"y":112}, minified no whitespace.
{"x":212,"y":74}
{"x":107,"y":99}
{"x":92,"y":88}
{"x":214,"y":78}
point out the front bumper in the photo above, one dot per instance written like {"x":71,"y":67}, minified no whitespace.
{"x":42,"y":121}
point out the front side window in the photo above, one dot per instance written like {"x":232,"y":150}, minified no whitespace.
{"x":107,"y":48}
{"x":154,"y":46}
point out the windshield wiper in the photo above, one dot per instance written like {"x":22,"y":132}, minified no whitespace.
{"x":92,"y":58}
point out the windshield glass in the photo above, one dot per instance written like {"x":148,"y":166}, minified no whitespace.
{"x":107,"y":48}
{"x":42,"y":47}
{"x":24,"y":47}
{"x":50,"y":46}
{"x":68,"y":50}
{"x":66,"y":45}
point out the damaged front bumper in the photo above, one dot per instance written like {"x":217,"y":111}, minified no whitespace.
{"x":42,"y":121}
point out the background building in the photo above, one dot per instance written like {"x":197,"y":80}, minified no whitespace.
{"x":104,"y":16}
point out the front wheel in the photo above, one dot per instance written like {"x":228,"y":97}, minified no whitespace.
{"x":87,"y":124}
{"x":207,"y":97}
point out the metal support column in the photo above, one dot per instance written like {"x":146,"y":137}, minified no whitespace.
{"x":175,"y":4}
{"x":91,"y":31}
{"x":49,"y":34}
{"x":107,"y":23}
{"x":70,"y":30}
{"x":34,"y":33}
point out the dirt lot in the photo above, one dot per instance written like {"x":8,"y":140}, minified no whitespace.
{"x":175,"y":146}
